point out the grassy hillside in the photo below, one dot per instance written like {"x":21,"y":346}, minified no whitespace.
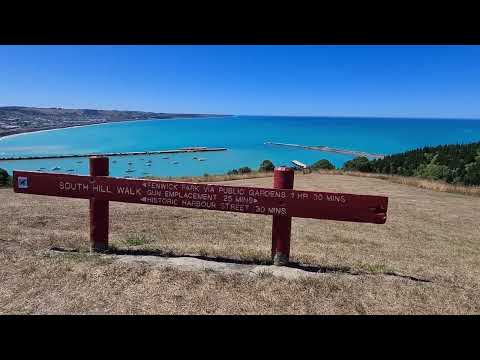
{"x":368,"y":268}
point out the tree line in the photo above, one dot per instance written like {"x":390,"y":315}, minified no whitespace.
{"x":455,"y":164}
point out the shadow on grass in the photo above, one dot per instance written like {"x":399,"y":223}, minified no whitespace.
{"x":296,"y":265}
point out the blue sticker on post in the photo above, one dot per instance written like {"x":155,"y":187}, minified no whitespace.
{"x":22,"y":182}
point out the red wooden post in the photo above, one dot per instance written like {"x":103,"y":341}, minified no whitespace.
{"x":281,"y":225}
{"x":98,"y":208}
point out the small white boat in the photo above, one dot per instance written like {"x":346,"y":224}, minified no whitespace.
{"x":175,"y":162}
{"x":148,"y":164}
{"x":299,"y":164}
{"x":194,"y":158}
{"x":202,"y":159}
{"x":56,"y":168}
{"x":130,"y":170}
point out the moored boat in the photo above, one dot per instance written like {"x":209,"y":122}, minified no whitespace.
{"x":299,"y":164}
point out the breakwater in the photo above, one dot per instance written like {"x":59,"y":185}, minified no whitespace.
{"x":175,"y":151}
{"x":330,"y":149}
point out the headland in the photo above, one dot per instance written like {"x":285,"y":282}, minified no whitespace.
{"x":20,"y":119}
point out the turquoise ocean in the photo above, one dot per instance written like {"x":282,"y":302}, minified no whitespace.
{"x":243,"y":136}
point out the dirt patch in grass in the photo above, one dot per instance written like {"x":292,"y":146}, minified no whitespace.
{"x":428,"y":235}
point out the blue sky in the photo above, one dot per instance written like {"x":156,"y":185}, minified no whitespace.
{"x":410,"y":81}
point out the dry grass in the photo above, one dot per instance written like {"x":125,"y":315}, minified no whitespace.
{"x":215,"y":178}
{"x":430,"y":235}
{"x":435,"y":185}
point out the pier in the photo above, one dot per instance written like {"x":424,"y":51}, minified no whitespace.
{"x":175,"y":151}
{"x":330,"y":149}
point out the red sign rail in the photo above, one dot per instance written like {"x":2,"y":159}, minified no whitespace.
{"x":282,"y":202}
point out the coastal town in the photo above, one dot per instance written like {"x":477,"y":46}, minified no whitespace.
{"x":19,"y":119}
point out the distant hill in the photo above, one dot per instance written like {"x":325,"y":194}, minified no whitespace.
{"x":18,"y":119}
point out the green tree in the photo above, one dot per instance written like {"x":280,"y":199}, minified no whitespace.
{"x":266,"y":166}
{"x":428,"y":156}
{"x":472,"y":171}
{"x":433,"y":170}
{"x":4,"y":177}
{"x":454,"y":163}
{"x":244,"y":170}
{"x":322,"y":164}
{"x":360,"y":163}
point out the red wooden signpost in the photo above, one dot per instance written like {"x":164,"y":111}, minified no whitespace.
{"x":282,"y":202}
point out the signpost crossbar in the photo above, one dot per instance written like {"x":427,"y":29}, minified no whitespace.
{"x":254,"y":200}
{"x":281,"y":201}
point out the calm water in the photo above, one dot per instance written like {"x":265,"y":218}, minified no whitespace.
{"x":244,"y":136}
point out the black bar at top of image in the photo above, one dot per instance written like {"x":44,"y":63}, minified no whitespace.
{"x":239,"y":25}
